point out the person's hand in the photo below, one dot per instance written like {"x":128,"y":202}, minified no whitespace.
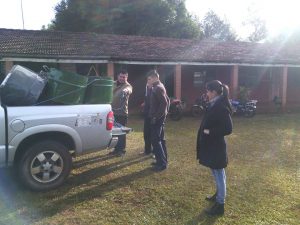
{"x":206,"y":131}
{"x":153,"y":120}
{"x":125,"y":93}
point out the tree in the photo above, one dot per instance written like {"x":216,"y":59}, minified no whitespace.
{"x":260,"y":30}
{"x":69,"y":17}
{"x":294,"y":37}
{"x":257,"y":25}
{"x":164,"y":18}
{"x":289,"y":38}
{"x":213,"y":26}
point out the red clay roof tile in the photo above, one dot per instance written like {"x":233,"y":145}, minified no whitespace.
{"x":79,"y":45}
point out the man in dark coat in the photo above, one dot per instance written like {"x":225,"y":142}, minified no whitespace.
{"x":159,"y":105}
{"x":211,"y":145}
{"x":147,"y":120}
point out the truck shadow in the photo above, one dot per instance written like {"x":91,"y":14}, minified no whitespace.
{"x":96,"y":192}
{"x":87,"y":161}
{"x":16,"y":198}
{"x":91,"y":174}
{"x":8,"y":184}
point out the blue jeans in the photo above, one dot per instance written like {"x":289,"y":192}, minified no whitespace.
{"x":121,"y":145}
{"x":159,"y":143}
{"x":220,"y":179}
{"x":147,"y":135}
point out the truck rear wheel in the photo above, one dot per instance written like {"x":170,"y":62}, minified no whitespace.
{"x":45,"y":165}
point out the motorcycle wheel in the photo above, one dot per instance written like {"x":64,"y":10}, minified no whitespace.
{"x":176,"y":115}
{"x":196,"y":111}
{"x":249,"y":113}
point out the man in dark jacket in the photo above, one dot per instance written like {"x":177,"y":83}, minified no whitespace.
{"x":159,"y":105}
{"x":147,"y":120}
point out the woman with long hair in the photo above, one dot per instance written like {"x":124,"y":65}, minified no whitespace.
{"x":211,"y":145}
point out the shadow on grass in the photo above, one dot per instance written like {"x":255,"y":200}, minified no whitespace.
{"x":97,"y":191}
{"x":11,"y":189}
{"x":9,"y":186}
{"x":94,"y":173}
{"x":84,"y":162}
{"x":202,"y":219}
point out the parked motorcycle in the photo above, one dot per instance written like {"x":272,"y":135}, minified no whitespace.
{"x":176,"y":109}
{"x":199,"y":106}
{"x":247,"y":109}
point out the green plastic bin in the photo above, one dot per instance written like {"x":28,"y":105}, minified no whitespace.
{"x":99,"y":90}
{"x":65,"y":87}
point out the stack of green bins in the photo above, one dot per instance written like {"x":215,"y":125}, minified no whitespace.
{"x":65,"y":87}
{"x":99,"y":90}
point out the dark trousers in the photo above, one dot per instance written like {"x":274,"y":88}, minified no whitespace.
{"x":159,"y":143}
{"x":147,"y":135}
{"x":121,"y":145}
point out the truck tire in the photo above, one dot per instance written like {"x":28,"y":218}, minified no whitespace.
{"x":44,"y":165}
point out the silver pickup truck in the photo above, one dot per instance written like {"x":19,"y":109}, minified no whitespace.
{"x":41,"y":140}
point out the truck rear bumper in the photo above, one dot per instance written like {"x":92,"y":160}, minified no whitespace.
{"x":117,"y":131}
{"x":113,"y":142}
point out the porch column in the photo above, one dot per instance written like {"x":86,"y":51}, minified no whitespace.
{"x":110,"y":69}
{"x":234,"y":81}
{"x":7,"y":66}
{"x":283,"y":86}
{"x":177,"y":82}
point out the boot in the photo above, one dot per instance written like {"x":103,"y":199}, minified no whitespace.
{"x":211,"y":198}
{"x":216,"y":210}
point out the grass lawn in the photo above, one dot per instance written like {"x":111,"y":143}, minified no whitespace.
{"x":263,"y":179}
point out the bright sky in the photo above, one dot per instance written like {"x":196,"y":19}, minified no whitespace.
{"x":280,"y":15}
{"x":36,"y":13}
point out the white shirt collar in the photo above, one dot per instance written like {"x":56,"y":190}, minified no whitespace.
{"x":213,"y":101}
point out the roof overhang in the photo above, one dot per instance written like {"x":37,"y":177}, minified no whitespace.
{"x":203,"y":63}
{"x":65,"y":60}
{"x":55,"y":60}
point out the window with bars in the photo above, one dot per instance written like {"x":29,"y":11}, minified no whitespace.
{"x":199,"y":79}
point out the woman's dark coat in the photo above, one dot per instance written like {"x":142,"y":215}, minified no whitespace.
{"x":211,"y":148}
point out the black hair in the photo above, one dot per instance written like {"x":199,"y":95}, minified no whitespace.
{"x":220,"y":89}
{"x":123,"y":71}
{"x":153,"y":73}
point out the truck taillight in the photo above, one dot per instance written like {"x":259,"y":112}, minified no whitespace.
{"x":110,"y":121}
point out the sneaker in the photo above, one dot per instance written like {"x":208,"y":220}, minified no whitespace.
{"x":145,"y":153}
{"x":121,"y":153}
{"x":117,"y":152}
{"x":211,"y":198}
{"x":154,"y":164}
{"x":114,"y":152}
{"x":159,"y":168}
{"x":216,"y":210}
